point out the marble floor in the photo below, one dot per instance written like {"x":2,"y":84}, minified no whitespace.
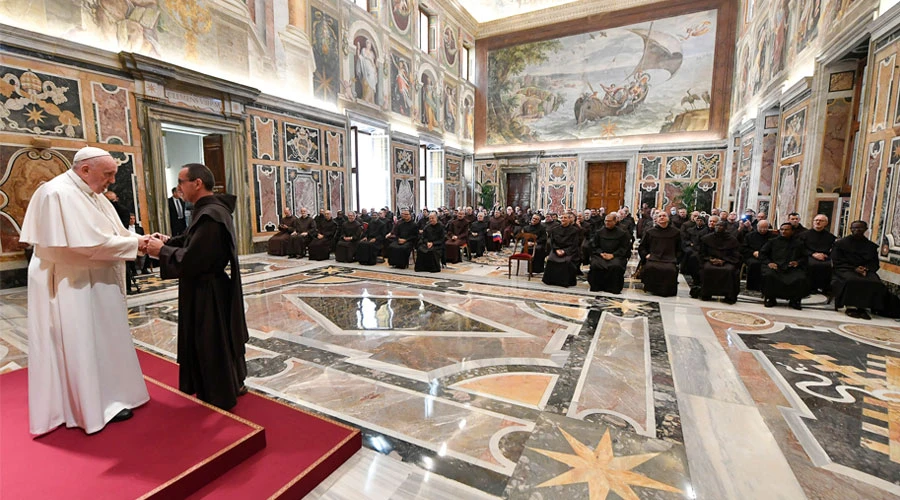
{"x":470,"y":384}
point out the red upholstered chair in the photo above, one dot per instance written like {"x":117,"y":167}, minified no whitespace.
{"x":524,"y":250}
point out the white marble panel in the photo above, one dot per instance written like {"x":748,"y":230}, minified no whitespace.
{"x":369,"y":475}
{"x":701,"y":367}
{"x":732,"y":454}
{"x":685,"y":321}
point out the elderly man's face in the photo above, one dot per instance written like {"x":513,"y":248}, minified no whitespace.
{"x":535,"y":219}
{"x":732,"y":217}
{"x":565,"y":219}
{"x":327,"y":215}
{"x":761,"y":216}
{"x":721,"y":226}
{"x":98,"y":173}
{"x":762,"y":227}
{"x":304,"y":212}
{"x":351,"y":216}
{"x":610,"y":221}
{"x":432,"y":218}
{"x":820,"y":222}
{"x":713,"y":221}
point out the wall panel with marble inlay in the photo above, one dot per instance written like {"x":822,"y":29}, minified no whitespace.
{"x":63,"y":108}
{"x":294,"y":161}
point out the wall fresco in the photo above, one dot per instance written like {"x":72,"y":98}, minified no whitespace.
{"x":617,"y":82}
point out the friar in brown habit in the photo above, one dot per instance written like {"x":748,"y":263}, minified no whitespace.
{"x":660,"y":249}
{"x":280,"y":243}
{"x":212,"y":329}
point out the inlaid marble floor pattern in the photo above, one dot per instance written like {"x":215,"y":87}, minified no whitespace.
{"x":469,"y":384}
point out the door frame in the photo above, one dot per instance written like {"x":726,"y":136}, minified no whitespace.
{"x":527,"y":169}
{"x":630,"y":162}
{"x":152,"y":116}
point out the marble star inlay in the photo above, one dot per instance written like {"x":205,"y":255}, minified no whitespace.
{"x":626,"y":306}
{"x":602,"y":470}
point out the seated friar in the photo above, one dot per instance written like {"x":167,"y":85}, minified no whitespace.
{"x":784,"y":272}
{"x":818,"y":243}
{"x":855,"y":282}
{"x":610,"y":249}
{"x":660,"y":251}
{"x":561,"y":268}
{"x":720,"y":264}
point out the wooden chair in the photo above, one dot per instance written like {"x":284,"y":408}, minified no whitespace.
{"x":528,"y":244}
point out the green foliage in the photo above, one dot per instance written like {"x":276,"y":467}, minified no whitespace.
{"x":487,"y":194}
{"x":689,"y":196}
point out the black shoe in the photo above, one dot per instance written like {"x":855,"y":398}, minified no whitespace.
{"x":695,"y":292}
{"x":706,"y":298}
{"x":795,"y":304}
{"x":730,"y":300}
{"x":770,"y":303}
{"x":862,"y":314}
{"x":122,"y":415}
{"x":243,"y":390}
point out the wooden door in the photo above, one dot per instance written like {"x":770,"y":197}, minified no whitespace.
{"x":518,"y":190}
{"x":606,"y":185}
{"x":214,"y":159}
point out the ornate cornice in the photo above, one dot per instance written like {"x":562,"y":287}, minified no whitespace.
{"x":553,"y":15}
{"x":155,"y":70}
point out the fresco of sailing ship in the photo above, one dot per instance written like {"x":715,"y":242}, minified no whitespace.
{"x":645,"y":78}
{"x":661,"y":52}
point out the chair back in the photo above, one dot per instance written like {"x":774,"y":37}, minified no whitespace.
{"x":525,"y":243}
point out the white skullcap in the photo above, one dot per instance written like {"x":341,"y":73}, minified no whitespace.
{"x":86,"y":153}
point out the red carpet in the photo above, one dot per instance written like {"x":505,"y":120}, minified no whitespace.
{"x":171,"y":447}
{"x":302,"y":449}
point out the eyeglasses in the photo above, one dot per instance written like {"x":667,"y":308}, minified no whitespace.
{"x":182,"y":181}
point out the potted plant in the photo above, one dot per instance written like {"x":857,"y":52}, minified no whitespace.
{"x":689,"y":195}
{"x":487,"y":194}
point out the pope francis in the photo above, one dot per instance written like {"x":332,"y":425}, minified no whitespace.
{"x":82,"y":367}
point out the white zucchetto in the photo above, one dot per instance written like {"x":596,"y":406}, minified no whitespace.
{"x":88,"y":152}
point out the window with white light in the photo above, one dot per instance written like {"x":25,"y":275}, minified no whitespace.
{"x":465,"y":64}
{"x":371,"y":173}
{"x":435,"y":169}
{"x":424,"y":26}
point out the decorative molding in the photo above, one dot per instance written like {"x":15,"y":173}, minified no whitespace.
{"x":799,"y":91}
{"x":150,"y":69}
{"x":38,"y":43}
{"x":279,"y":105}
{"x":885,"y":23}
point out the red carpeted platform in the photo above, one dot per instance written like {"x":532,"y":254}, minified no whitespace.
{"x":302,"y":449}
{"x":172,"y":446}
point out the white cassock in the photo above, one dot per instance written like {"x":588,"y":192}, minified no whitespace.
{"x":82,"y":366}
